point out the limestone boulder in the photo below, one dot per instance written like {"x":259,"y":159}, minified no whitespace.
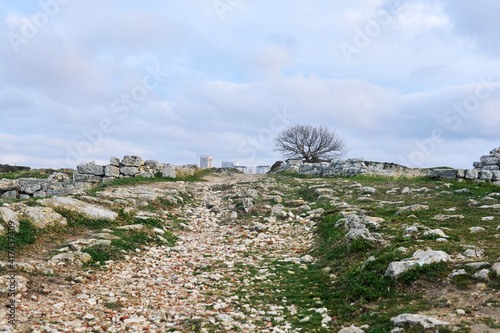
{"x":91,"y":169}
{"x":42,"y":217}
{"x":426,"y":322}
{"x":351,"y":329}
{"x":89,"y":210}
{"x":58,"y":177}
{"x":168,"y":171}
{"x":87,"y":178}
{"x":114,"y":161}
{"x":129,"y":171}
{"x":20,"y":284}
{"x":76,"y":258}
{"x":111,"y":171}
{"x":412,"y":208}
{"x":9,"y":217}
{"x":471,"y":174}
{"x":420,"y":257}
{"x":444,"y":173}
{"x":153,"y":166}
{"x":132,"y":161}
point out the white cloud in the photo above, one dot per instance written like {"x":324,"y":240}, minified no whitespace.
{"x":228,"y":79}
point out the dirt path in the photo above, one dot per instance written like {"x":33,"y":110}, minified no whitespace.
{"x":160,"y":289}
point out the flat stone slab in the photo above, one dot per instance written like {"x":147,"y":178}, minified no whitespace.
{"x":420,"y":257}
{"x":417,"y":320}
{"x":132,"y":227}
{"x":77,"y":257}
{"x":42,"y":217}
{"x":8,"y":215}
{"x":412,"y":208}
{"x":84,"y":208}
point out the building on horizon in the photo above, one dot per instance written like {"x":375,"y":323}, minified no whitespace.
{"x":229,"y":164}
{"x":262,"y":169}
{"x":206,"y":162}
{"x":242,"y":168}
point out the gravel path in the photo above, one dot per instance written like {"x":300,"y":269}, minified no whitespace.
{"x":190,"y":287}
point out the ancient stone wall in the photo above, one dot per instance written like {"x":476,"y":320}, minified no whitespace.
{"x":87,"y":175}
{"x":349,"y":167}
{"x":487,"y":170}
{"x":129,"y":166}
{"x":58,"y":184}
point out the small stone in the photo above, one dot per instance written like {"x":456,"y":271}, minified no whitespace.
{"x":476,"y":229}
{"x":89,"y":317}
{"x":496,"y":268}
{"x":481,"y":286}
{"x":460,"y":312}
{"x":351,"y":329}
{"x":482,"y":274}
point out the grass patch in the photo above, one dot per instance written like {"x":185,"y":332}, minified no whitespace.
{"x":77,"y":220}
{"x":35,"y":173}
{"x":25,"y":237}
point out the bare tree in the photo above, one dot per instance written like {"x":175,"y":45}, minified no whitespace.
{"x":310,"y":144}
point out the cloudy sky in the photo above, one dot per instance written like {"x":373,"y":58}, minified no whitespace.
{"x":414,"y":82}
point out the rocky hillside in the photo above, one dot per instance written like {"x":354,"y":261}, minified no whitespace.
{"x":241,"y":253}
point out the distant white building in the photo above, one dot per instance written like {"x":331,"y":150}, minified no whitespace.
{"x":242,"y":168}
{"x":229,"y":164}
{"x":261,"y":169}
{"x":206,"y":162}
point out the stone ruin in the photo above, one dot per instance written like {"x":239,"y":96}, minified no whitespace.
{"x":58,"y":184}
{"x":338,"y":167}
{"x":87,"y":175}
{"x":487,"y":170}
{"x":129,"y":166}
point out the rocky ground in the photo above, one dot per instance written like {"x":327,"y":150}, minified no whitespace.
{"x":234,"y":254}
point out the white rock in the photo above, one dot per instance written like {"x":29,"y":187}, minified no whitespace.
{"x":482,"y":274}
{"x":81,"y":207}
{"x":476,"y":229}
{"x":224,"y":317}
{"x":460,"y":312}
{"x":496,"y":268}
{"x":406,"y":190}
{"x":435,"y":232}
{"x":8,"y":215}
{"x":474,"y":253}
{"x":457,"y":272}
{"x":410,"y":231}
{"x":368,"y":189}
{"x":42,"y":217}
{"x":307,"y":259}
{"x":351,"y":329}
{"x":20,"y":283}
{"x":419,"y":258}
{"x":134,"y":320}
{"x":417,"y":320}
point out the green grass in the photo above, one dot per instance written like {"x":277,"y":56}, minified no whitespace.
{"x":357,"y":292}
{"x":77,"y":220}
{"x":25,"y":237}
{"x":35,"y":173}
{"x":130,"y":240}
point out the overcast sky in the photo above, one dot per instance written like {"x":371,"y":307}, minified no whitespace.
{"x":412,"y":82}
